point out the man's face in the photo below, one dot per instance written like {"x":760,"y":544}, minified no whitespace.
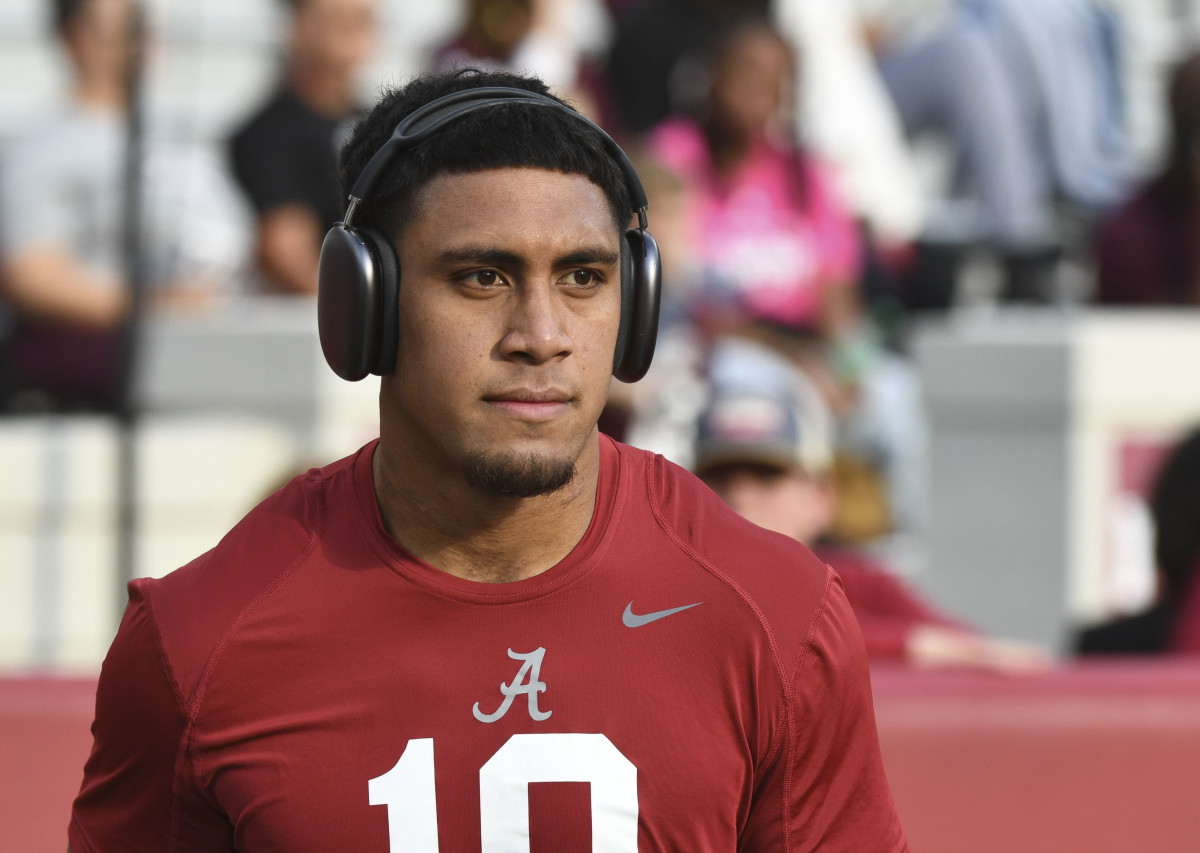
{"x":786,"y":501}
{"x":335,"y":36}
{"x":509,"y":308}
{"x":749,"y":81}
{"x":99,"y":39}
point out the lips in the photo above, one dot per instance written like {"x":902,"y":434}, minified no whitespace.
{"x":530,"y":405}
{"x":530,"y":396}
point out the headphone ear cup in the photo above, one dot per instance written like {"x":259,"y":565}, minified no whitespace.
{"x":356,"y":302}
{"x":627,"y":303}
{"x":347,"y":293}
{"x":387,"y":318}
{"x":641,"y":294}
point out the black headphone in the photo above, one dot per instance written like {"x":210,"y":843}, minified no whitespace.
{"x":357,"y":312}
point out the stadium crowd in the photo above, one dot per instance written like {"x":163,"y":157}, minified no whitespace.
{"x":779,"y":145}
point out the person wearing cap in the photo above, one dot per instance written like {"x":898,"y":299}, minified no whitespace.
{"x":764,"y":445}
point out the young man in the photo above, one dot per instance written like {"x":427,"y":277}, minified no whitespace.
{"x":431,"y":644}
{"x":764,"y":445}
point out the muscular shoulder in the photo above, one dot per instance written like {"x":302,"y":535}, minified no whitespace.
{"x":197,"y":606}
{"x":777,"y":579}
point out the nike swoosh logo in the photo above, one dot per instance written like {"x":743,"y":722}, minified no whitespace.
{"x":635,"y":620}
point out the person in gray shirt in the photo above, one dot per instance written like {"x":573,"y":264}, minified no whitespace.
{"x":62,"y":218}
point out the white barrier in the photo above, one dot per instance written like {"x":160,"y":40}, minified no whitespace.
{"x":235,"y":404}
{"x":1039,"y":419}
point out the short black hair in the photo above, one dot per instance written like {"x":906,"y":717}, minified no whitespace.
{"x":1175,"y":507}
{"x":503,"y":136}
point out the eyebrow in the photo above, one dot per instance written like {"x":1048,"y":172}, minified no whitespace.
{"x":589,"y":256}
{"x":502,"y":258}
{"x":479,"y":255}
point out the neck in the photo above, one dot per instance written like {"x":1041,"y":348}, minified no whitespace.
{"x":455,"y":527}
{"x":107,"y":95}
{"x":328,"y":94}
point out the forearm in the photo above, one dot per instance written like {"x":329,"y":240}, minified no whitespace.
{"x":50,"y":286}
{"x":288,"y":248}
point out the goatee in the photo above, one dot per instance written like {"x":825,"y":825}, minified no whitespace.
{"x":518,"y":475}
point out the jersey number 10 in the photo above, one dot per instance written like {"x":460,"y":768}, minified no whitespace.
{"x":408,"y":791}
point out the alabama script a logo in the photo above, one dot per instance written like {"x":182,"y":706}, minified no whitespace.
{"x":528,"y":681}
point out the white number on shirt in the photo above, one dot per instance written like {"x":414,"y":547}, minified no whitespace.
{"x":408,"y":792}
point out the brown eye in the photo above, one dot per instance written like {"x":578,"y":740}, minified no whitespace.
{"x":486,"y":278}
{"x":583,"y":278}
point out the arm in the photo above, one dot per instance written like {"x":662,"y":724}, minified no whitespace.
{"x":934,"y":646}
{"x":887,"y":611}
{"x":899,"y":625}
{"x":825,"y":789}
{"x":272,"y":176}
{"x":41,"y":206}
{"x":46,"y":283}
{"x":289,"y":239}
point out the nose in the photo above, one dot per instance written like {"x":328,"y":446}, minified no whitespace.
{"x":537,"y":326}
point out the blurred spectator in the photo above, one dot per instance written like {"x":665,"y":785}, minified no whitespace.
{"x":1148,"y":250}
{"x":659,"y":411}
{"x":1026,"y":95}
{"x":773,"y":239}
{"x":1173,"y":623}
{"x":658,"y":68}
{"x":655,"y":61}
{"x":847,"y":116}
{"x":549,"y":38}
{"x":1063,"y":57}
{"x":946,"y":73}
{"x":285,"y":155}
{"x":774,"y":245}
{"x":763,"y":444}
{"x":63,"y":200}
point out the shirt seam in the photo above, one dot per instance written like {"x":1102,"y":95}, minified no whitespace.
{"x":200,"y":693}
{"x":759,"y":616}
{"x":181,"y":748}
{"x":801,"y":659}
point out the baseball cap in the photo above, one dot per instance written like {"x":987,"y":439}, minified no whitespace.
{"x":761,"y":410}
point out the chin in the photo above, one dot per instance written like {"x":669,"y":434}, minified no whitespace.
{"x":518,"y":474}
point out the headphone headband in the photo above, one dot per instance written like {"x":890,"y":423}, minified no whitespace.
{"x":359,"y":279}
{"x":424,"y":121}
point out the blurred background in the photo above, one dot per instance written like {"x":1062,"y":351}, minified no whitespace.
{"x":971,"y":227}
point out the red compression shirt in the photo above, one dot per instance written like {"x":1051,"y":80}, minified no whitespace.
{"x":681,"y":681}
